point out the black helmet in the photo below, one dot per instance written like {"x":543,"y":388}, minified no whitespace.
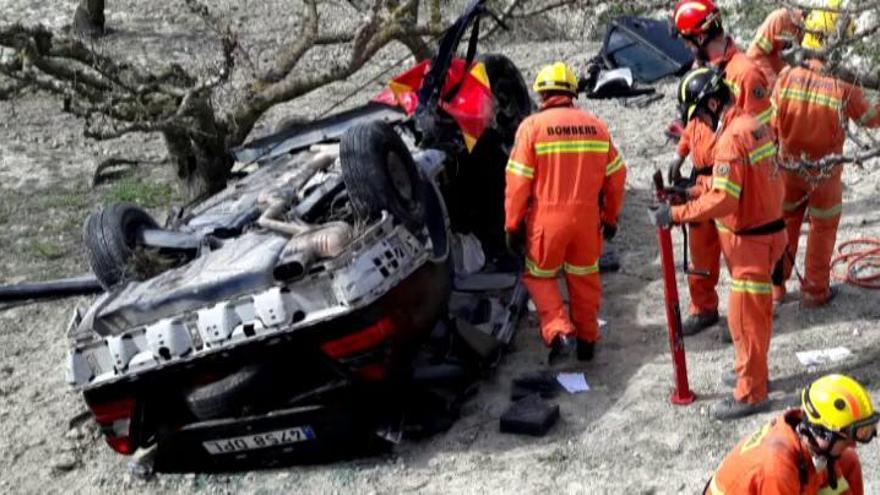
{"x":697,"y":86}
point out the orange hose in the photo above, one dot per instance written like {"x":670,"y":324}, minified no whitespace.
{"x":861,"y":261}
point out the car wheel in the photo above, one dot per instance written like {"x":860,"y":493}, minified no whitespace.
{"x":226,"y":396}
{"x":109,"y":237}
{"x":512,"y":99}
{"x":380,"y":174}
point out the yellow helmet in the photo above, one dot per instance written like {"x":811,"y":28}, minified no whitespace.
{"x":839,"y":404}
{"x":556,"y":77}
{"x":822,"y":23}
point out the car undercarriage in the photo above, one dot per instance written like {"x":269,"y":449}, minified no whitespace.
{"x":311,"y":310}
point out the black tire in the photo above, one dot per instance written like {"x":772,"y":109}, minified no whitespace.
{"x":512,"y":99}
{"x":109,"y":237}
{"x":227,"y":396}
{"x":380,"y":174}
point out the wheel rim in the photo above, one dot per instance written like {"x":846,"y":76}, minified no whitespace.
{"x":399,"y":175}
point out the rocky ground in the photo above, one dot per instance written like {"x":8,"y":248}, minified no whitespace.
{"x":621,"y":437}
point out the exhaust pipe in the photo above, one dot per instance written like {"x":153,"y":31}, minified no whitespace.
{"x":326,"y":241}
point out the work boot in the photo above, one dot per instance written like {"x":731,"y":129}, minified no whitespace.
{"x":729,"y":378}
{"x":811,"y":302}
{"x":585,"y":350}
{"x":561,"y":348}
{"x":730,"y":408}
{"x":695,"y":324}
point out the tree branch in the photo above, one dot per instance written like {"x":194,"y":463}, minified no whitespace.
{"x":291,"y":54}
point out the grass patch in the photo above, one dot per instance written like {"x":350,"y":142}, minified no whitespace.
{"x":76,"y":200}
{"x":47,"y":250}
{"x":145,"y":194}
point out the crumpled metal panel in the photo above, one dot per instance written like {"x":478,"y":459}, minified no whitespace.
{"x":242,"y":266}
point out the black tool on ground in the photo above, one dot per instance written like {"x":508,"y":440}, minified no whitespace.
{"x":530,"y":415}
{"x":543,"y":383}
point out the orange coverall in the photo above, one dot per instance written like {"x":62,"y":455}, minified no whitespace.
{"x":770,"y":40}
{"x":562,"y":161}
{"x":811,"y":117}
{"x":746,"y":194}
{"x":774,"y":461}
{"x":698,"y":141}
{"x":747,"y":81}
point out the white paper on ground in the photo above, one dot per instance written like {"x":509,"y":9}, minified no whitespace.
{"x":823,"y":356}
{"x":602,"y":323}
{"x":573,"y":382}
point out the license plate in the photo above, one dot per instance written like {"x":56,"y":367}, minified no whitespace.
{"x":268,"y":439}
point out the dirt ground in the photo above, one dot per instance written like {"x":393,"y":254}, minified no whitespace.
{"x":623,"y":436}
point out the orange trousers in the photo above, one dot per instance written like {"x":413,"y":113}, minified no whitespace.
{"x":824,"y":204}
{"x":705,"y":249}
{"x":564,"y":241}
{"x":750,"y":260}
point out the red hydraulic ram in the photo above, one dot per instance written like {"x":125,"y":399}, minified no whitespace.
{"x":682,"y":395}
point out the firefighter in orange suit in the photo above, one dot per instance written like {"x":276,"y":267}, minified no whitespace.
{"x":699,"y":23}
{"x":746,"y":203}
{"x":564,"y":192}
{"x":698,"y":142}
{"x":809,"y":450}
{"x":813,"y":109}
{"x":780,"y":28}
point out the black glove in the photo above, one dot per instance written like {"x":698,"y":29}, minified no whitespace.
{"x":515,"y":243}
{"x":660,"y":215}
{"x":608,"y":231}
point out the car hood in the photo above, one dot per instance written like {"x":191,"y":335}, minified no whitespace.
{"x":241,"y":266}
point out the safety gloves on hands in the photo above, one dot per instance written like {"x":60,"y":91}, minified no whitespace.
{"x":660,"y":215}
{"x":515,"y":243}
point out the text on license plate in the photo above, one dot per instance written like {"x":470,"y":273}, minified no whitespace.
{"x":275,"y":438}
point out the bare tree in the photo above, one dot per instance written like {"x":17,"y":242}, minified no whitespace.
{"x":115,"y":97}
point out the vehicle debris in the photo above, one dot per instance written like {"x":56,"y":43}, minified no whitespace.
{"x":646,"y":47}
{"x":328,"y":260}
{"x":530,"y":415}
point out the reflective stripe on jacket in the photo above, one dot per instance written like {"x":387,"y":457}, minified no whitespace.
{"x":749,"y":85}
{"x":811,"y":112}
{"x":563,"y":158}
{"x":747,"y":188}
{"x":769,"y":41}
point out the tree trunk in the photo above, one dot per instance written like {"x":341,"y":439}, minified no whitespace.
{"x":200,"y":151}
{"x":202,"y":169}
{"x":88,"y":19}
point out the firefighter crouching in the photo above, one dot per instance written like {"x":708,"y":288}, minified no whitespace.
{"x":809,"y":450}
{"x":746,"y":202}
{"x":562,"y":162}
{"x":812,"y":113}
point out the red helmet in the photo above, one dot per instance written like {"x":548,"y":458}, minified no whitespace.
{"x":696,"y":17}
